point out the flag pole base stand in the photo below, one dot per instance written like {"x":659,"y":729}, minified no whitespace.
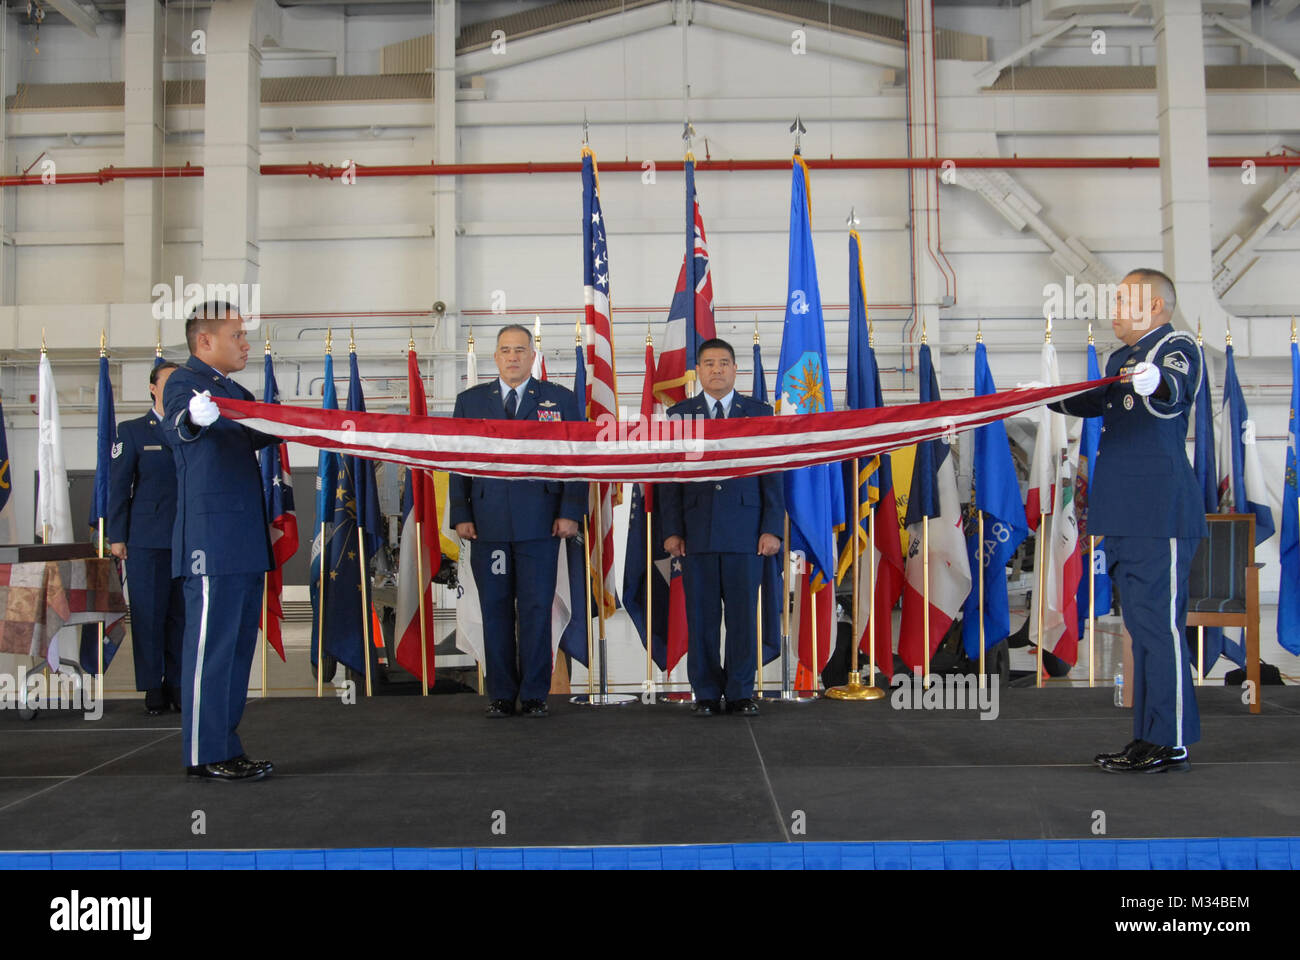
{"x":784,"y":696}
{"x":677,"y":698}
{"x":603,"y":699}
{"x":855,"y":689}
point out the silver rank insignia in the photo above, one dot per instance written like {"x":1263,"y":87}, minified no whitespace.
{"x":1128,"y":401}
{"x":117,"y":450}
{"x":1176,"y":361}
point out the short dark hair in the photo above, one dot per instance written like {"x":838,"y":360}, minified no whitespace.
{"x":205,"y":317}
{"x":716,"y":343}
{"x":159,"y":368}
{"x":1160,"y":280}
{"x":516,"y":326}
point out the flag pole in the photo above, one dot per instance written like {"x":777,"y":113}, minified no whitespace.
{"x":1092,"y":576}
{"x":786,"y":692}
{"x":855,"y":689}
{"x":758,"y":617}
{"x":320,"y":590}
{"x":419,"y":566}
{"x":266,"y":589}
{"x":812,"y":618}
{"x":1042,"y":531}
{"x":361,"y":555}
{"x":650,"y":569}
{"x":591,"y":661}
{"x":103,"y":352}
{"x":925,"y":580}
{"x":979,"y":338}
{"x":876,"y":692}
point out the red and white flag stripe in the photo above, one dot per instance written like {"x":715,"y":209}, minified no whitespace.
{"x":674,"y":450}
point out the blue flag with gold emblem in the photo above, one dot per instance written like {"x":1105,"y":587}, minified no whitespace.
{"x":814,"y":496}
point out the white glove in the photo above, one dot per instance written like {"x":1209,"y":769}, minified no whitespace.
{"x":1146,"y":378}
{"x":203,"y":412}
{"x":1031,"y":385}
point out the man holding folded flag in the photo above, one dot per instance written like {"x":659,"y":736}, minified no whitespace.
{"x":1144,"y":500}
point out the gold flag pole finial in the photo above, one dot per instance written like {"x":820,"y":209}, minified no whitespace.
{"x":924,"y":336}
{"x":410,"y":344}
{"x":979,"y":330}
{"x":1091,"y":341}
{"x":871,"y":333}
{"x":1228,"y":333}
{"x":1200,"y":340}
{"x":268,"y":346}
{"x":577,"y":332}
{"x":649,"y":337}
{"x":42,"y":341}
{"x":1293,"y":340}
{"x":329,"y":340}
{"x":469,"y":341}
{"x":756,"y":337}
{"x":103,"y":342}
{"x":537,"y":331}
{"x":1047,"y":333}
{"x":352,"y":339}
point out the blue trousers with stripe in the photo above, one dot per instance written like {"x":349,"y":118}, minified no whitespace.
{"x":713,"y":580}
{"x":516,"y":587}
{"x":157,"y":618}
{"x":1151,"y":574}
{"x":222,"y":616}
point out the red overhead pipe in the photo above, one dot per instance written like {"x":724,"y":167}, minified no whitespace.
{"x":330,"y":172}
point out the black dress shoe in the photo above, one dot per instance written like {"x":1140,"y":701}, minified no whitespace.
{"x":501,"y":708}
{"x":1155,"y":759}
{"x":745,"y":707}
{"x":533,"y":708}
{"x":155,"y":702}
{"x":248,"y":761}
{"x":230,"y":771}
{"x":154,"y":711}
{"x":1129,"y":748}
{"x":705,"y":708}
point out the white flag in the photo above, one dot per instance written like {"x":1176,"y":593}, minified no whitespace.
{"x":53,"y":513}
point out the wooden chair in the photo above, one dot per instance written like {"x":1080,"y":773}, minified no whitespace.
{"x":1223,"y":588}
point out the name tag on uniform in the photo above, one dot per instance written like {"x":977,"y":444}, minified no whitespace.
{"x":152,"y":446}
{"x":553,"y":415}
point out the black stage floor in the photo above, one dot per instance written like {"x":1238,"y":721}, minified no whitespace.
{"x":409,"y":772}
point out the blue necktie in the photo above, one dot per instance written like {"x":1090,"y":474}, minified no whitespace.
{"x":512,"y":404}
{"x":717,"y":409}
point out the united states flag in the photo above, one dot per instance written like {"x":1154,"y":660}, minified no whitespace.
{"x":690,"y":317}
{"x":602,"y":382}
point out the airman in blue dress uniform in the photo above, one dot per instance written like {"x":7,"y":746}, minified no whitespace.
{"x":220,"y":544}
{"x":722,"y":529}
{"x":141,"y":514}
{"x":514,"y":525}
{"x":1144,"y":500}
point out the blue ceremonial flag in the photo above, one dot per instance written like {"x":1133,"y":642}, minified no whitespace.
{"x":1089,"y":441}
{"x":1245,"y":492}
{"x":814,"y":496}
{"x":369,"y":518}
{"x":1207,"y":476}
{"x":1288,"y":595}
{"x":860,"y":385}
{"x":759,"y":391}
{"x":997,"y":494}
{"x":327,"y":473}
{"x":105,"y":437}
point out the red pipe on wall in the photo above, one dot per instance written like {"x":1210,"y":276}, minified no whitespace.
{"x":331,"y":172}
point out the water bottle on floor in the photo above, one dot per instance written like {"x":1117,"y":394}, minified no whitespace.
{"x":1119,"y":686}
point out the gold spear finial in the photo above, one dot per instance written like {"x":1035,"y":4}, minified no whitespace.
{"x":537,"y":331}
{"x":42,"y":341}
{"x":924,"y":337}
{"x":756,"y":339}
{"x":871,"y":333}
{"x":268,"y":346}
{"x":410,"y":344}
{"x":103,"y":342}
{"x":329,"y":340}
{"x":1091,"y":341}
{"x":352,"y":339}
{"x":1200,"y":341}
{"x":577,"y":332}
{"x":1293,"y":328}
{"x":1227,"y":326}
{"x":649,"y":337}
{"x":979,"y":330}
{"x":1047,"y":334}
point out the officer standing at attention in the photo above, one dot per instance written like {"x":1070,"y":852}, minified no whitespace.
{"x":514,"y":525}
{"x":722,"y":530}
{"x":220,"y":545}
{"x":141,"y":514}
{"x":1144,"y":500}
